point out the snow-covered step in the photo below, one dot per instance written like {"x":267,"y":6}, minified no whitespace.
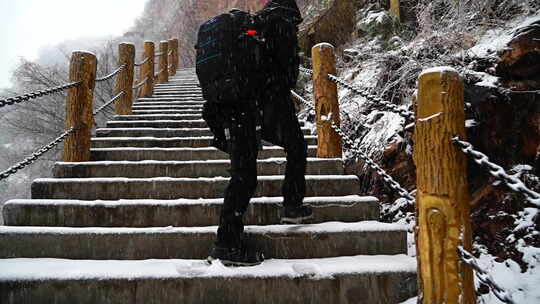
{"x":158,"y":117}
{"x":158,"y":124}
{"x":184,"y":111}
{"x":177,"y":95}
{"x":330,"y":239}
{"x":169,"y":105}
{"x":160,"y":132}
{"x":356,"y":279}
{"x":177,"y":213}
{"x":171,"y":142}
{"x":167,"y":99}
{"x":175,"y":90}
{"x":200,"y":168}
{"x":153,"y":132}
{"x":174,"y":188}
{"x":179,"y":154}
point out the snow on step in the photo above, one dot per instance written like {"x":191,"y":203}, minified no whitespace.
{"x":330,"y":239}
{"x":153,"y":132}
{"x":161,"y":132}
{"x":170,"y":142}
{"x":200,"y":123}
{"x":208,"y":168}
{"x":174,"y":188}
{"x":373,"y":279}
{"x":157,"y":117}
{"x":186,"y":111}
{"x":177,"y":213}
{"x":179,"y":154}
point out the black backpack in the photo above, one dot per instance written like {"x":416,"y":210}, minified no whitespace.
{"x":279,"y":25}
{"x":228,"y":55}
{"x":228,"y":67}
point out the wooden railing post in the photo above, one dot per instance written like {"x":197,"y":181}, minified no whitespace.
{"x":124,"y":81}
{"x":395,"y":9}
{"x":79,"y":107}
{"x":443,"y":198}
{"x":173,"y":59}
{"x":326,"y":101}
{"x":163,"y":76}
{"x":147,"y":69}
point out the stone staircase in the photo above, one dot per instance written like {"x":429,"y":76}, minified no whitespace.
{"x":135,"y":224}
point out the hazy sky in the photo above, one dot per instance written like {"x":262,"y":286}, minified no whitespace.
{"x":28,"y":25}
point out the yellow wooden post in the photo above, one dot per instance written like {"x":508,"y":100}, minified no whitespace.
{"x":163,"y":62}
{"x":124,"y":82}
{"x":326,"y":101}
{"x":79,"y":107}
{"x":395,"y":9}
{"x":173,"y":59}
{"x":147,"y":70}
{"x":443,"y":198}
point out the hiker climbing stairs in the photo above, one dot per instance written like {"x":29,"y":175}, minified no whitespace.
{"x":135,"y":224}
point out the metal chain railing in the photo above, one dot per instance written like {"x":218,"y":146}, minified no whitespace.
{"x":303,"y":101}
{"x":140,"y":84}
{"x":514,"y":183}
{"x":160,"y":71}
{"x":356,"y":149}
{"x":386,"y":177}
{"x":366,"y":94}
{"x":158,"y":54}
{"x":14,"y":169}
{"x":138,"y":64}
{"x":111,"y":75}
{"x":484,"y":277}
{"x":115,"y":98}
{"x":18,"y":99}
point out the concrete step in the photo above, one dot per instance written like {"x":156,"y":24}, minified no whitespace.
{"x":176,"y":213}
{"x":178,"y":154}
{"x":175,"y":188}
{"x":153,"y":132}
{"x":167,"y":99}
{"x":204,"y":168}
{"x":158,"y":117}
{"x":357,"y":279}
{"x":174,"y":90}
{"x":160,"y":132}
{"x":167,"y":106}
{"x":171,"y":142}
{"x":177,"y":95}
{"x":183,"y":111}
{"x":178,"y":124}
{"x":331,"y":239}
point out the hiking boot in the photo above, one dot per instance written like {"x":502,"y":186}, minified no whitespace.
{"x":296,"y":215}
{"x":236,"y":256}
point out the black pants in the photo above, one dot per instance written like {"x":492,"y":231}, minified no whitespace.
{"x":280,"y":127}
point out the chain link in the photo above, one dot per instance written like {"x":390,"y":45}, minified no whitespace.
{"x":115,"y":98}
{"x":364,"y":93}
{"x":30,"y":160}
{"x":306,"y":71}
{"x":18,"y":99}
{"x":484,"y":277}
{"x":138,"y":64}
{"x":303,"y":101}
{"x":111,"y":75}
{"x":498,"y":172}
{"x":386,"y":177}
{"x":135,"y":87}
{"x":158,"y":54}
{"x":160,"y":71}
